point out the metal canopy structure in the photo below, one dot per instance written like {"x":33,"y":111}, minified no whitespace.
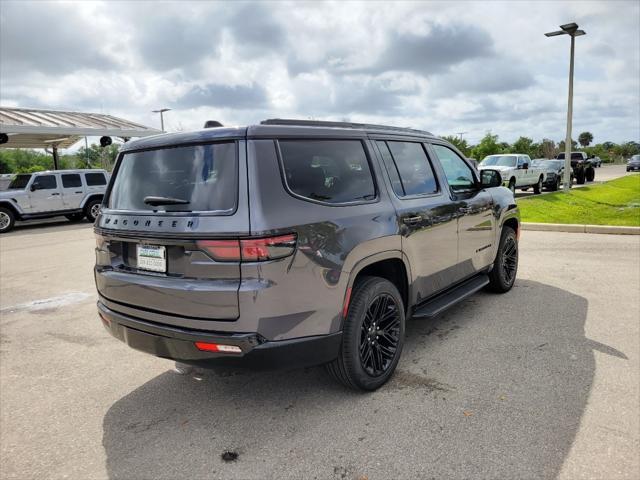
{"x":30,"y":128}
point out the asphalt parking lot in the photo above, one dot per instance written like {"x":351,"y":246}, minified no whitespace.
{"x":539,"y":383}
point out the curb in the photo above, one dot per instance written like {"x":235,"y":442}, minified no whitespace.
{"x":573,"y":228}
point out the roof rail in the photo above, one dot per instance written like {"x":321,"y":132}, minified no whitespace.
{"x":321,"y":123}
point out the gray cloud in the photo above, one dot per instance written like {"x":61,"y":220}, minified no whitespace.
{"x":171,"y":42}
{"x":484,"y":76}
{"x":37,"y":37}
{"x":438,"y":50}
{"x":224,"y":96}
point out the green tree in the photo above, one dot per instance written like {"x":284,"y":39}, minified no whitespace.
{"x":460,"y":143}
{"x":548,"y":148}
{"x":525,"y":145}
{"x":488,"y":146}
{"x":585,"y":138}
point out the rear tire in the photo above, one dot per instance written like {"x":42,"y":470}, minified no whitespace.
{"x":537,"y":188}
{"x":372,"y":336}
{"x":505,"y":265}
{"x":7,"y":220}
{"x":92,"y":208}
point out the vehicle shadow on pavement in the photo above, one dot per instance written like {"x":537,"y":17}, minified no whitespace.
{"x":494,"y":388}
{"x":36,"y":227}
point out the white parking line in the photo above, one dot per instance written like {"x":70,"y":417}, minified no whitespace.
{"x":53,"y":302}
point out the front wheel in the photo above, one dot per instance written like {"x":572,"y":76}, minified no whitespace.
{"x":590,"y":175}
{"x":372,"y":336}
{"x":580,"y":177}
{"x":537,"y":188}
{"x":7,"y":220}
{"x":512,"y":186}
{"x":556,"y":186}
{"x":505,"y":265}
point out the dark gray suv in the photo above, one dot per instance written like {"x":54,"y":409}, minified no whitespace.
{"x":295,"y":243}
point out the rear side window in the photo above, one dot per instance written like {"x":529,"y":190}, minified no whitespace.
{"x":202,"y":178}
{"x":46,"y":182}
{"x":409,"y":168}
{"x":94,"y":179}
{"x":71,"y":180}
{"x":332,"y":171}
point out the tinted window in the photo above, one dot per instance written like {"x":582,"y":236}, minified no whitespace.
{"x":459,"y":174}
{"x":413,"y":168}
{"x":71,"y":180}
{"x":205,"y":176}
{"x":94,"y":179}
{"x":20,"y":182}
{"x":46,"y":182}
{"x":392,"y":170}
{"x":333,"y":171}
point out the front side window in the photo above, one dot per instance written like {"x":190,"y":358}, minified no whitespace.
{"x":71,"y":180}
{"x":332,"y":171}
{"x":46,"y":182}
{"x":199,"y":178}
{"x":94,"y":179}
{"x":413,"y":168}
{"x":459,"y":175}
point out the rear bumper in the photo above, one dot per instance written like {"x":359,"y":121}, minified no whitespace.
{"x":257,"y":353}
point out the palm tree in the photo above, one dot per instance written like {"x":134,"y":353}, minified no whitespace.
{"x":585,"y":138}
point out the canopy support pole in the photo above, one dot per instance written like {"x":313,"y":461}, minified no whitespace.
{"x":54,"y":151}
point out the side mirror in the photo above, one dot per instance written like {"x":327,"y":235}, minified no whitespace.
{"x":525,"y":166}
{"x":34,"y":186}
{"x":490,"y":178}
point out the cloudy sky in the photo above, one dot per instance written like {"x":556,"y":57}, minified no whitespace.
{"x":444,"y":67}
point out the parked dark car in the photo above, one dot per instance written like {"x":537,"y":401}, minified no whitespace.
{"x":554,"y":170}
{"x":295,"y":243}
{"x":596,"y":161}
{"x":633,"y":165}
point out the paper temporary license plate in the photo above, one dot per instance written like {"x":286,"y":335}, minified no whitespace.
{"x":152,"y":258}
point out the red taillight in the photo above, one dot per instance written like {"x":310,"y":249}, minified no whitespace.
{"x":222,"y":250}
{"x":216,"y":347}
{"x":250,"y":249}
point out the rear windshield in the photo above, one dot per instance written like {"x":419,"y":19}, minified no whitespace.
{"x":574,"y":156}
{"x":199,"y":178}
{"x":20,"y":182}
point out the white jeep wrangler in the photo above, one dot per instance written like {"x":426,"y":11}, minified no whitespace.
{"x":516,"y":171}
{"x":73,"y":193}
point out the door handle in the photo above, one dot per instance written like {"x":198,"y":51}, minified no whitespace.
{"x":78,"y":192}
{"x":55,"y":194}
{"x":412,"y":220}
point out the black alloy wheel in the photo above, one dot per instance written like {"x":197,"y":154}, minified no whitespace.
{"x":379,"y":335}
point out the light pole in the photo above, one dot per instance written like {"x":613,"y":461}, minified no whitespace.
{"x":161,"y":111}
{"x":572,"y":30}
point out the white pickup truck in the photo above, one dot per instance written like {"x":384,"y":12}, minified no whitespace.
{"x":516,"y":171}
{"x":73,"y":193}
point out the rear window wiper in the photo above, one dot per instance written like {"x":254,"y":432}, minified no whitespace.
{"x":155,"y":201}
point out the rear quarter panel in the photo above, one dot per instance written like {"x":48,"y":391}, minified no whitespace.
{"x":303,"y":295}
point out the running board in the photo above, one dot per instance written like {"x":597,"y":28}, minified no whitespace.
{"x":445,"y":300}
